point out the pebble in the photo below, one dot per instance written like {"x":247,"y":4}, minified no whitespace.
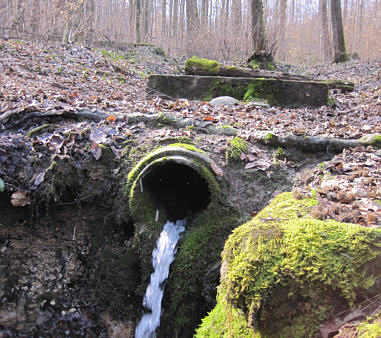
{"x":223,"y":100}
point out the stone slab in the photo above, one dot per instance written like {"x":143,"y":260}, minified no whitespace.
{"x":283,"y":93}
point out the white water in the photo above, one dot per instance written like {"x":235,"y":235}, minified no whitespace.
{"x":162,"y":257}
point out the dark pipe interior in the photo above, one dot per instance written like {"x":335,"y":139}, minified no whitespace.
{"x":179,"y":189}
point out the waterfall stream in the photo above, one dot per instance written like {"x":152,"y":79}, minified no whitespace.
{"x":162,"y":257}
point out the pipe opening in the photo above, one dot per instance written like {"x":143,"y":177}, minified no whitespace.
{"x":177,"y":188}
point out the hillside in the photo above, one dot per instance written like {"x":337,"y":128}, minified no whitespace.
{"x":75,"y":121}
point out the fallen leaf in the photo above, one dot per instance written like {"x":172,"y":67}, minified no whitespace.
{"x":111,"y":119}
{"x":217,"y":170}
{"x":209,"y":118}
{"x":20,"y":199}
{"x":96,"y":150}
{"x":117,"y":95}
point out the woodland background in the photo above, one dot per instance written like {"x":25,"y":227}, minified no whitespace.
{"x":219,"y":29}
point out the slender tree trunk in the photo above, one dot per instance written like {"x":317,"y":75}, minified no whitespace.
{"x":345,"y":10}
{"x":237,"y":16}
{"x":35,"y":19}
{"x":138,"y":21}
{"x":19,"y":18}
{"x":340,"y":54}
{"x":257,"y":26}
{"x":163,"y":18}
{"x":175,"y":19}
{"x":204,"y":15}
{"x":192,"y":18}
{"x":326,"y":46}
{"x":147,"y":13}
{"x":282,"y":14}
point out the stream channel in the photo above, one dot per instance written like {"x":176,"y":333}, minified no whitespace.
{"x":162,"y":257}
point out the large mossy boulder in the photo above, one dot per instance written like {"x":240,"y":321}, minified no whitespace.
{"x":285,"y":273}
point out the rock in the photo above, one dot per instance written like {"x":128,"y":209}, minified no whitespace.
{"x":284,"y":263}
{"x":277,"y":92}
{"x":223,"y":100}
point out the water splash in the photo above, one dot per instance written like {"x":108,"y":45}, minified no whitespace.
{"x":162,"y":257}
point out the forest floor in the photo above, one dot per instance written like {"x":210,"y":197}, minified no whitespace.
{"x":50,"y":94}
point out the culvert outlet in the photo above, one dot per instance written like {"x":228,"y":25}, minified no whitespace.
{"x":174,"y":182}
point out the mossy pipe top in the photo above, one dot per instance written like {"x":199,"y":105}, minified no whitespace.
{"x":174,"y":181}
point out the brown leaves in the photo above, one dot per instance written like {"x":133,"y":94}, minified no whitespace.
{"x":347,"y":187}
{"x":96,"y":150}
{"x":20,"y":199}
{"x":111,"y":119}
{"x":217,"y":170}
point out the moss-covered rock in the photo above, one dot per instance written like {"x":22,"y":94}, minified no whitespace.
{"x":278,"y":92}
{"x":370,"y":328}
{"x":284,"y":272}
{"x":208,"y":67}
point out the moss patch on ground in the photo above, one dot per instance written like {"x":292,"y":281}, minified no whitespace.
{"x":206,"y":66}
{"x":284,"y":272}
{"x":237,"y":146}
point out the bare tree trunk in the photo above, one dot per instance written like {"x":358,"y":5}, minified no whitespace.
{"x":18,"y":23}
{"x":340,"y":54}
{"x":237,"y":15}
{"x":204,"y":14}
{"x":147,"y":13}
{"x":35,"y":19}
{"x":138,"y":21}
{"x":345,"y":10}
{"x":282,"y":14}
{"x":326,"y":46}
{"x":192,"y":18}
{"x":258,"y":26}
{"x":163,"y":18}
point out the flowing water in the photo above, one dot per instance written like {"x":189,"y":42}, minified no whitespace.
{"x":162,"y":257}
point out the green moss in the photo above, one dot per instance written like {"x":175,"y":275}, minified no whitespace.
{"x":344,"y":86}
{"x":278,"y":154}
{"x":220,"y":88}
{"x":376,"y":141}
{"x":254,"y":64}
{"x":284,"y":269}
{"x":237,"y":146}
{"x":197,"y":254}
{"x":187,"y":146}
{"x":270,"y":66}
{"x":371,"y":328}
{"x":38,"y":129}
{"x":373,"y":140}
{"x":264,"y":89}
{"x":204,"y":65}
{"x":260,"y":89}
{"x":222,"y":323}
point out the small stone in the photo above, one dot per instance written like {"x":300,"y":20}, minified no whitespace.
{"x":52,"y":302}
{"x":73,"y":309}
{"x":3,"y":249}
{"x":223,"y":100}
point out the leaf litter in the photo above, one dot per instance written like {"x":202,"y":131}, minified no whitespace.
{"x":56,"y":79}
